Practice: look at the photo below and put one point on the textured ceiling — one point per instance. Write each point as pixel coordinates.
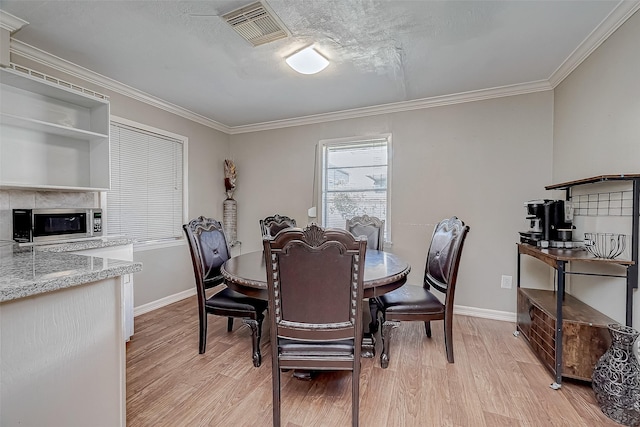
(381, 52)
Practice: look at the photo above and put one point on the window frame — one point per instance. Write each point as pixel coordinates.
(320, 173)
(167, 242)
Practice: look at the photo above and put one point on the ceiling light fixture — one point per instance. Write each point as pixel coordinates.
(307, 61)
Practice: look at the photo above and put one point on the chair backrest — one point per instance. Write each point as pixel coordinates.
(271, 225)
(315, 283)
(443, 258)
(369, 226)
(209, 250)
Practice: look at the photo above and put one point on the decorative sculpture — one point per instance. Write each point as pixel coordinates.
(616, 377)
(230, 207)
(229, 178)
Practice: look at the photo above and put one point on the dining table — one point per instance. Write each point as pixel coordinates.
(383, 272)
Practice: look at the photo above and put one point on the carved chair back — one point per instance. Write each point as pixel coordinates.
(369, 226)
(271, 225)
(209, 250)
(315, 281)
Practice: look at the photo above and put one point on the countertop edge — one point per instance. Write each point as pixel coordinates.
(16, 287)
(104, 242)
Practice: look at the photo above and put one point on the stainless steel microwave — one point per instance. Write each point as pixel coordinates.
(38, 225)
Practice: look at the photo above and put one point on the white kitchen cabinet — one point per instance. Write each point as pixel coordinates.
(53, 135)
(125, 253)
(63, 358)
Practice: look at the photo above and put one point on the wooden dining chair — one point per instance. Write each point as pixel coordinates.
(209, 250)
(271, 225)
(315, 285)
(411, 302)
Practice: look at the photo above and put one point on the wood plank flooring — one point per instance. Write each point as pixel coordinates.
(495, 381)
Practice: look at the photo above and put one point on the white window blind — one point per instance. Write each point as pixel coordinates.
(355, 180)
(146, 197)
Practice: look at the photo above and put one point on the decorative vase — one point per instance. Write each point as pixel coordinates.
(616, 377)
(230, 220)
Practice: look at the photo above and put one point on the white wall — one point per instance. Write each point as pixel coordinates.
(479, 161)
(597, 131)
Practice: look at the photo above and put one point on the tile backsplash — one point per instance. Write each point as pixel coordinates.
(25, 199)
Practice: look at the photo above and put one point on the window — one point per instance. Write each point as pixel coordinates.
(354, 180)
(147, 197)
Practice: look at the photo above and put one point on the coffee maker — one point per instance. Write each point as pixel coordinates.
(550, 224)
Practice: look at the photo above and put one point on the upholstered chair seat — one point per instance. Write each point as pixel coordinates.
(228, 299)
(411, 300)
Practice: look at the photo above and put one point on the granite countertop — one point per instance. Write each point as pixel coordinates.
(27, 271)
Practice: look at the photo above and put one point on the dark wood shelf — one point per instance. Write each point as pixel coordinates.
(551, 256)
(593, 180)
(573, 310)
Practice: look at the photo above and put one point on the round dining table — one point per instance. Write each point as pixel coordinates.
(383, 272)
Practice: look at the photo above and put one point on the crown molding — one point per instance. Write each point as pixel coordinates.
(10, 22)
(396, 107)
(37, 55)
(34, 54)
(623, 11)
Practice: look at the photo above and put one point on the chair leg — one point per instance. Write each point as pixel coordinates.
(275, 374)
(387, 326)
(229, 324)
(448, 338)
(373, 308)
(355, 393)
(203, 332)
(427, 328)
(255, 340)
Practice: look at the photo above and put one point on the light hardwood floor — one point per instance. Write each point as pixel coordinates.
(495, 381)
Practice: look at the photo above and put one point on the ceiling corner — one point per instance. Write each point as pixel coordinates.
(10, 22)
(607, 27)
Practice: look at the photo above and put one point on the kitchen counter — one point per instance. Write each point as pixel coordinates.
(27, 271)
(62, 334)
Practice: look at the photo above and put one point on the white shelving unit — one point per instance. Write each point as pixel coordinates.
(53, 135)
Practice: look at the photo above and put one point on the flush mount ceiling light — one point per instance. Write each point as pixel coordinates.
(307, 61)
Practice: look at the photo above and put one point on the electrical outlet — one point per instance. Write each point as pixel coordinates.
(506, 282)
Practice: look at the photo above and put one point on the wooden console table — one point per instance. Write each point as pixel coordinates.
(558, 259)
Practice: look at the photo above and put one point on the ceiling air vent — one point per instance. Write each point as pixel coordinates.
(256, 24)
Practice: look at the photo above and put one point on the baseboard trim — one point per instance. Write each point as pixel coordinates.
(154, 305)
(504, 316)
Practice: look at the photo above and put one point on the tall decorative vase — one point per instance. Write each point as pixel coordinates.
(616, 377)
(230, 220)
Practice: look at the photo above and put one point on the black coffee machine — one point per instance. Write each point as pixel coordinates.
(550, 224)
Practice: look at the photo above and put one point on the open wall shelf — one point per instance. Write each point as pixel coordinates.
(53, 135)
